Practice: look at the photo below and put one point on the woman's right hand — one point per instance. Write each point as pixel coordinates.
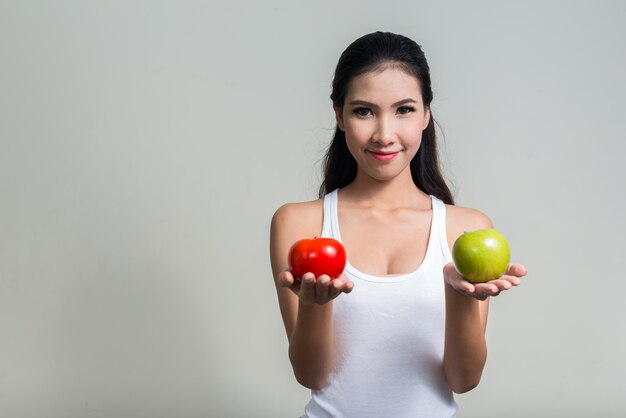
(313, 290)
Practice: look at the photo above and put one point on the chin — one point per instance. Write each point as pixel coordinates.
(384, 176)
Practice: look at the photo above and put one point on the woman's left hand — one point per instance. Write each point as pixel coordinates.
(482, 291)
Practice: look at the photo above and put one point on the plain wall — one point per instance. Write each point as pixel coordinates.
(144, 146)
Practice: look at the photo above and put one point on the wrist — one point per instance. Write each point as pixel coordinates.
(313, 323)
(458, 298)
(313, 307)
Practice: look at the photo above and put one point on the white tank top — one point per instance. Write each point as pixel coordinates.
(389, 337)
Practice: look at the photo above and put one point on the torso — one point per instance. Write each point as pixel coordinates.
(388, 332)
(401, 246)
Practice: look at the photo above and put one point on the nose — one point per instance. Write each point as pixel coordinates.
(384, 131)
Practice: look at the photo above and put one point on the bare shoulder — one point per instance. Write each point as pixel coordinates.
(290, 223)
(460, 219)
(302, 217)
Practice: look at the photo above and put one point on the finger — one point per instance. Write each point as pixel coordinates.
(307, 287)
(502, 283)
(495, 287)
(344, 284)
(517, 270)
(333, 290)
(340, 285)
(480, 293)
(321, 288)
(458, 282)
(286, 279)
(488, 289)
(513, 280)
(467, 287)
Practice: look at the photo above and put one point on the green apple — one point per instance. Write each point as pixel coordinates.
(481, 255)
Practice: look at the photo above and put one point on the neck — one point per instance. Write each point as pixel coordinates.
(395, 193)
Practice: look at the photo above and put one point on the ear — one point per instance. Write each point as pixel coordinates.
(426, 117)
(338, 116)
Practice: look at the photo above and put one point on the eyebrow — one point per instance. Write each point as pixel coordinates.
(368, 104)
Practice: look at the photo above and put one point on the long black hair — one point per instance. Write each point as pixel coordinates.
(368, 53)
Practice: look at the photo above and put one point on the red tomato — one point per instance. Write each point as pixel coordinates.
(318, 256)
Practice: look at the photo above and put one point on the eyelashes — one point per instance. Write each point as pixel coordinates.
(366, 111)
(403, 110)
(362, 111)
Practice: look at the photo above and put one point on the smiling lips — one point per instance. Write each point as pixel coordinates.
(383, 156)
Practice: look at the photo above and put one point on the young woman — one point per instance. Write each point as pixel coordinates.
(400, 330)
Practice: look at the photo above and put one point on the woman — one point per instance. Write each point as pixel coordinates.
(400, 330)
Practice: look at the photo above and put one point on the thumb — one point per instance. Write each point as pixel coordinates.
(285, 279)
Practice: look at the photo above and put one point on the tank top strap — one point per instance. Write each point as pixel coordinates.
(439, 229)
(330, 225)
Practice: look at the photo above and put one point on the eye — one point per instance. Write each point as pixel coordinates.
(404, 110)
(362, 111)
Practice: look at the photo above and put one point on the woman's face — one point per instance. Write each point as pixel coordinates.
(383, 118)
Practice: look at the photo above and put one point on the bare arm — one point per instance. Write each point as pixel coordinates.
(467, 308)
(465, 351)
(305, 303)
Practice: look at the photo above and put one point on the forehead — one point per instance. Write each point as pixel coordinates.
(388, 83)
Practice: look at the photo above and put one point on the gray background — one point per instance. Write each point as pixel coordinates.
(146, 144)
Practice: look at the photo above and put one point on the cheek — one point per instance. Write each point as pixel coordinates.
(410, 133)
(354, 146)
(357, 132)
